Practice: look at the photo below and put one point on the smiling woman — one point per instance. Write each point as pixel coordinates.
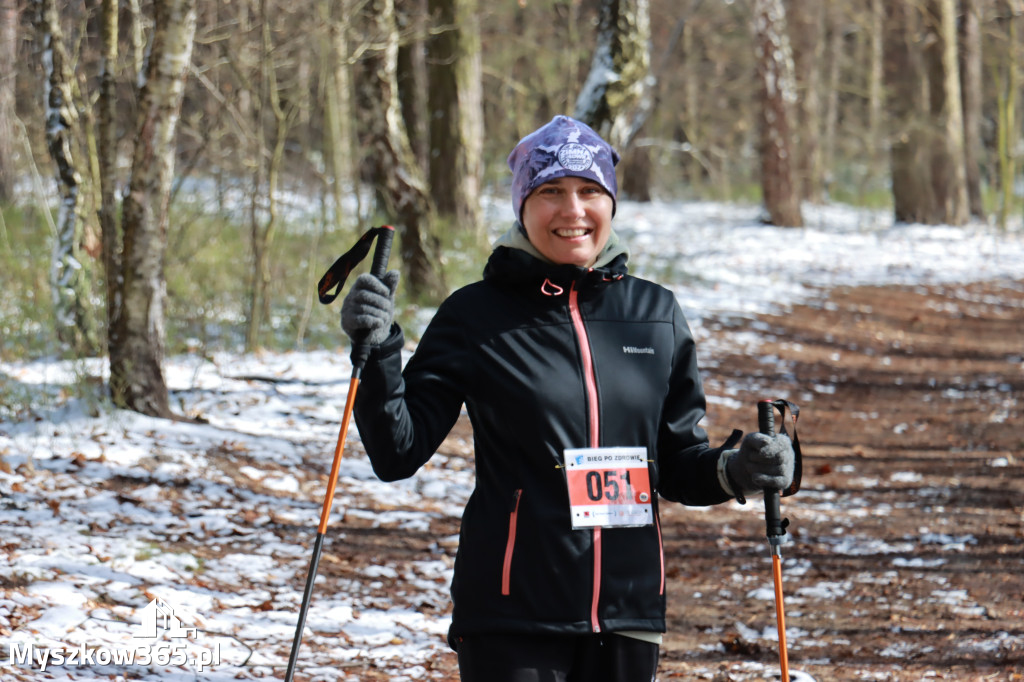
(582, 386)
(569, 220)
(563, 193)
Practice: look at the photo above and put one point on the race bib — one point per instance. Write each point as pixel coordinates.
(608, 487)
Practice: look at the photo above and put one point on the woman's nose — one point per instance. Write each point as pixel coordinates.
(572, 204)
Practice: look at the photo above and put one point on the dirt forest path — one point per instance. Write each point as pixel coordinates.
(905, 558)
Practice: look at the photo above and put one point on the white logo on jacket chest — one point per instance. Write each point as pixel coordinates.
(638, 350)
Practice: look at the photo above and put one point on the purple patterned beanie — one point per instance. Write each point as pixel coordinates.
(562, 148)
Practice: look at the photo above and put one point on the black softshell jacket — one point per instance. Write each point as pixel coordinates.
(546, 358)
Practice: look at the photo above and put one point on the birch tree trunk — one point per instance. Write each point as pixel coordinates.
(9, 16)
(136, 372)
(876, 96)
(454, 100)
(973, 100)
(1007, 79)
(400, 182)
(777, 95)
(70, 269)
(617, 96)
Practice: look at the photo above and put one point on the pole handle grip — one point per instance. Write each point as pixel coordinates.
(766, 416)
(382, 251)
(378, 268)
(775, 526)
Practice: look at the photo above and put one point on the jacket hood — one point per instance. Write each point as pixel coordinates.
(516, 259)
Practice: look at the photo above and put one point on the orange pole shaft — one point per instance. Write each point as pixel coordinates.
(780, 616)
(350, 402)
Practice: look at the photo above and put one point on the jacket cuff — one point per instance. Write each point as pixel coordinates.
(725, 479)
(723, 474)
(394, 342)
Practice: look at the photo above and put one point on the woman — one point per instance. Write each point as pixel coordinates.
(582, 386)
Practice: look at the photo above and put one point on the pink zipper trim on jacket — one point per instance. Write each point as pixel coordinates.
(595, 624)
(590, 383)
(589, 380)
(510, 545)
(661, 553)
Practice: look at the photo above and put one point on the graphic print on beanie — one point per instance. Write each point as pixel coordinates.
(575, 157)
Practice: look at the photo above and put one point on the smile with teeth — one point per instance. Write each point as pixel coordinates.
(571, 232)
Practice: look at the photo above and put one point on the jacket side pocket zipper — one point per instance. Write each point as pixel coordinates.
(510, 544)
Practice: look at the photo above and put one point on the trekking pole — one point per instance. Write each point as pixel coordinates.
(775, 527)
(335, 277)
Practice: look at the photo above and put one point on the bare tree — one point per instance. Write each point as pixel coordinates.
(777, 95)
(70, 269)
(136, 372)
(412, 75)
(617, 97)
(688, 116)
(925, 112)
(833, 55)
(909, 159)
(264, 213)
(9, 16)
(397, 175)
(876, 91)
(106, 151)
(339, 138)
(807, 22)
(1006, 72)
(948, 175)
(973, 101)
(456, 113)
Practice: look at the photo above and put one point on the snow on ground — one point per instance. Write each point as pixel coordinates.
(100, 508)
(721, 262)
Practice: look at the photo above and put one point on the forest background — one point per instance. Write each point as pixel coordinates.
(175, 175)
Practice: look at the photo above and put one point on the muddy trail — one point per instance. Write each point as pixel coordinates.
(904, 559)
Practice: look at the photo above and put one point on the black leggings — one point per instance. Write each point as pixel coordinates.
(556, 658)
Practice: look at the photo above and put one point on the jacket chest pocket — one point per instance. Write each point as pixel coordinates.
(633, 364)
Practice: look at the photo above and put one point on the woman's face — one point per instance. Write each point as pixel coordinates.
(569, 220)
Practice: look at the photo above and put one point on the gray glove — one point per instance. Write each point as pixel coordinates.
(369, 308)
(762, 462)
